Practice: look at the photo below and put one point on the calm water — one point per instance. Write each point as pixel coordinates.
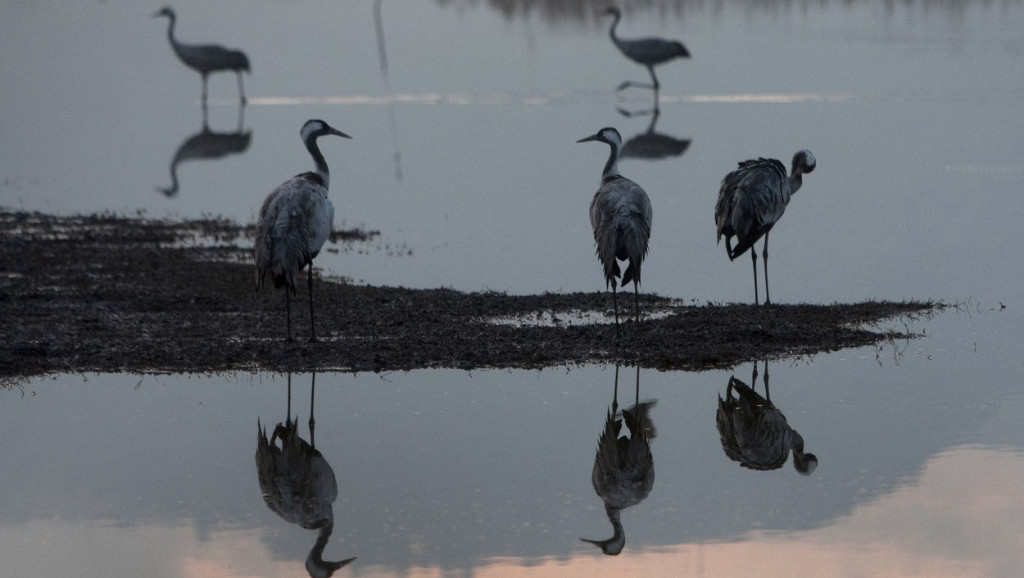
(464, 159)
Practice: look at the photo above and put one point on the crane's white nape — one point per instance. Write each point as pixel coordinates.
(316, 128)
(612, 138)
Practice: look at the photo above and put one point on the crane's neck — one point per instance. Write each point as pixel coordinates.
(614, 545)
(315, 563)
(170, 30)
(318, 159)
(615, 22)
(795, 181)
(611, 168)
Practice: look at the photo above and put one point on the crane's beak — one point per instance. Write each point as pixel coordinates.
(337, 132)
(590, 138)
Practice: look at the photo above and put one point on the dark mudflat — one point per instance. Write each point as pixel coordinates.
(113, 294)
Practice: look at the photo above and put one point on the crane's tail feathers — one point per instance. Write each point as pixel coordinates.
(611, 274)
(738, 250)
(632, 274)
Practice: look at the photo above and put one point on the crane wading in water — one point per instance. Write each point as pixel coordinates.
(649, 52)
(294, 222)
(620, 214)
(751, 200)
(206, 58)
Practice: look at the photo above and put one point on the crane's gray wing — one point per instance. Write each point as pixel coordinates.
(751, 200)
(282, 234)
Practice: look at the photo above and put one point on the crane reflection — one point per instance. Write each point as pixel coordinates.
(754, 432)
(623, 473)
(298, 484)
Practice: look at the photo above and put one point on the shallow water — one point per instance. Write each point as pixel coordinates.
(464, 159)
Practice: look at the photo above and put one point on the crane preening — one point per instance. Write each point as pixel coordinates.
(751, 200)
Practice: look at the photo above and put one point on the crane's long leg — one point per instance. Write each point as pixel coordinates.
(312, 421)
(288, 311)
(764, 253)
(615, 304)
(636, 402)
(204, 91)
(753, 255)
(636, 301)
(312, 322)
(241, 89)
(767, 392)
(615, 395)
(654, 78)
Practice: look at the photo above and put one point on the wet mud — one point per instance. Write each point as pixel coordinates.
(114, 294)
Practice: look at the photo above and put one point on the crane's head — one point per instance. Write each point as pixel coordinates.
(803, 162)
(606, 135)
(805, 464)
(165, 11)
(611, 11)
(316, 128)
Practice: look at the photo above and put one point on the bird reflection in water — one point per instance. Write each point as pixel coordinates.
(755, 433)
(208, 145)
(298, 484)
(623, 472)
(652, 145)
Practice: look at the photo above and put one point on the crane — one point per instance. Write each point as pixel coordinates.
(620, 214)
(650, 51)
(752, 199)
(623, 473)
(206, 58)
(754, 432)
(294, 222)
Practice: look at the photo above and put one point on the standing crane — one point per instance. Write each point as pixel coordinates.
(298, 484)
(206, 58)
(649, 52)
(754, 432)
(623, 473)
(751, 200)
(294, 222)
(620, 214)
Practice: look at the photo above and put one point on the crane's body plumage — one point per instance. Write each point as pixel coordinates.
(620, 215)
(623, 473)
(751, 199)
(294, 222)
(649, 52)
(206, 58)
